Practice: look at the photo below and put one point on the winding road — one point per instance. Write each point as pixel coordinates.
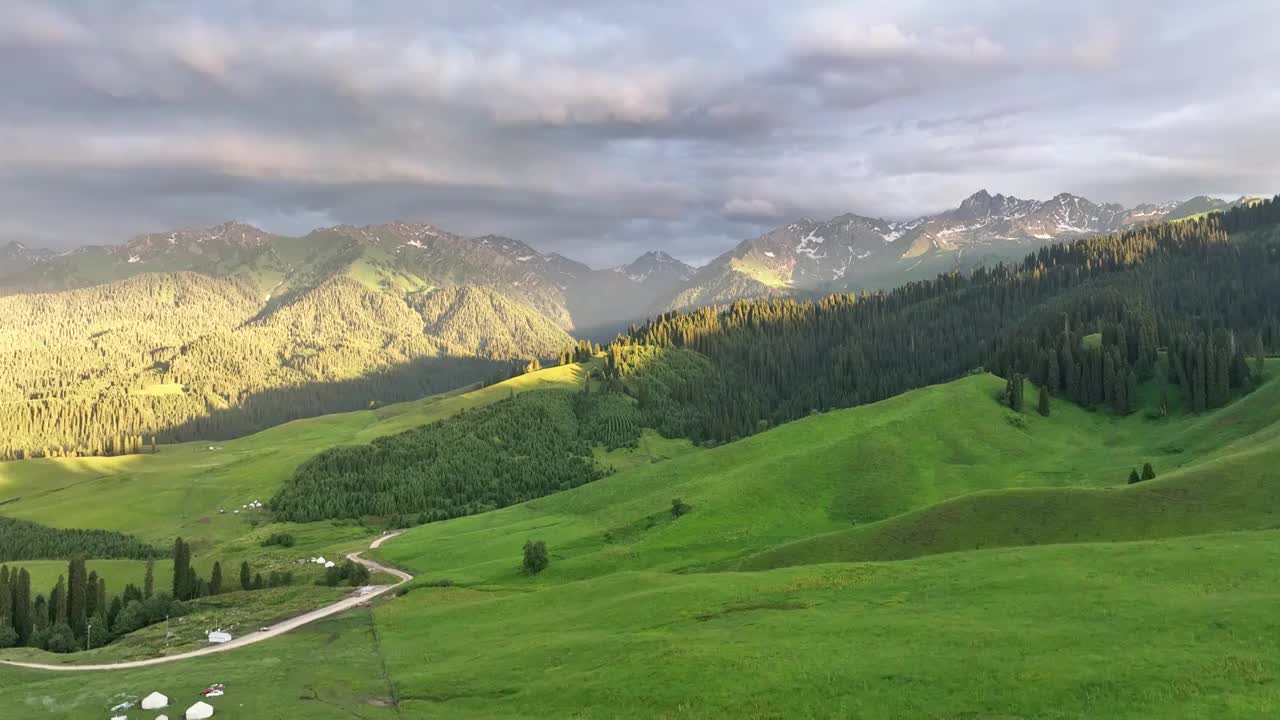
(363, 595)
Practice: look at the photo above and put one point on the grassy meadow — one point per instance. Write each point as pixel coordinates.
(182, 489)
(332, 669)
(934, 555)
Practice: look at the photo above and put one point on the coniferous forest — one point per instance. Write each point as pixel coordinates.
(78, 613)
(518, 449)
(1205, 289)
(115, 369)
(23, 540)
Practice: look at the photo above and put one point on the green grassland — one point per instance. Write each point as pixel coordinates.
(180, 490)
(921, 557)
(332, 669)
(864, 469)
(1181, 628)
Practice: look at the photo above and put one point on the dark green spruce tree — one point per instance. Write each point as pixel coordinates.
(181, 570)
(77, 596)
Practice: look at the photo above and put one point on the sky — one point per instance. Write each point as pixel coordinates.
(602, 129)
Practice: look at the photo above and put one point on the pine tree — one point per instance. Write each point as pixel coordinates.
(58, 602)
(149, 581)
(246, 579)
(77, 596)
(1044, 402)
(91, 594)
(6, 599)
(215, 579)
(1131, 392)
(181, 570)
(1014, 391)
(1133, 477)
(1148, 472)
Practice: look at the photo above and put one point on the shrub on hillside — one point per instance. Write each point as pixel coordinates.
(281, 539)
(535, 557)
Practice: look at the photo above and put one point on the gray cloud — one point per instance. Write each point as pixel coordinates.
(601, 130)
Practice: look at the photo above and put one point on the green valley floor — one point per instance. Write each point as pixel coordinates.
(930, 556)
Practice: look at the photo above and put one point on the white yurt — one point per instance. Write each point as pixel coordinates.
(162, 717)
(200, 711)
(155, 701)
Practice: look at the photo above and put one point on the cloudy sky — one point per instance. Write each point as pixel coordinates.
(603, 128)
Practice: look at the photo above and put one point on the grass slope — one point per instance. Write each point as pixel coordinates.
(180, 490)
(1229, 485)
(328, 670)
(1170, 629)
(866, 468)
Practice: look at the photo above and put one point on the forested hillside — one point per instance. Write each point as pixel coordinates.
(1187, 285)
(22, 540)
(518, 449)
(106, 369)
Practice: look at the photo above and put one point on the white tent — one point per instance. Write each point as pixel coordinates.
(200, 711)
(218, 636)
(162, 717)
(154, 701)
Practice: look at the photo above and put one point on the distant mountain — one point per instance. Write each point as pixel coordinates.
(848, 252)
(16, 257)
(210, 332)
(857, 252)
(396, 257)
(1203, 204)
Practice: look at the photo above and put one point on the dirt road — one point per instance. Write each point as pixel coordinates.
(362, 595)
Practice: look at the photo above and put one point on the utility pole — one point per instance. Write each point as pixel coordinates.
(89, 640)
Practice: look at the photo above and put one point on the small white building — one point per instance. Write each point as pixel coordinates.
(155, 701)
(218, 636)
(200, 711)
(329, 564)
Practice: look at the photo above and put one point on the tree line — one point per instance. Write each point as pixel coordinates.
(517, 449)
(75, 614)
(25, 540)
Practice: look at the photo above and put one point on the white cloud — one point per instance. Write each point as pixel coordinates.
(833, 36)
(38, 25)
(616, 125)
(749, 209)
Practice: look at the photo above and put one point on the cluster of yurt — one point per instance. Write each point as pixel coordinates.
(157, 701)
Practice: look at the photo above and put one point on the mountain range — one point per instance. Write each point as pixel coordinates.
(848, 252)
(215, 332)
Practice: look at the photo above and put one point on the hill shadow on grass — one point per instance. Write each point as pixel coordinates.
(403, 382)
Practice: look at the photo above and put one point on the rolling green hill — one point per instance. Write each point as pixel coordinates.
(863, 470)
(626, 623)
(180, 490)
